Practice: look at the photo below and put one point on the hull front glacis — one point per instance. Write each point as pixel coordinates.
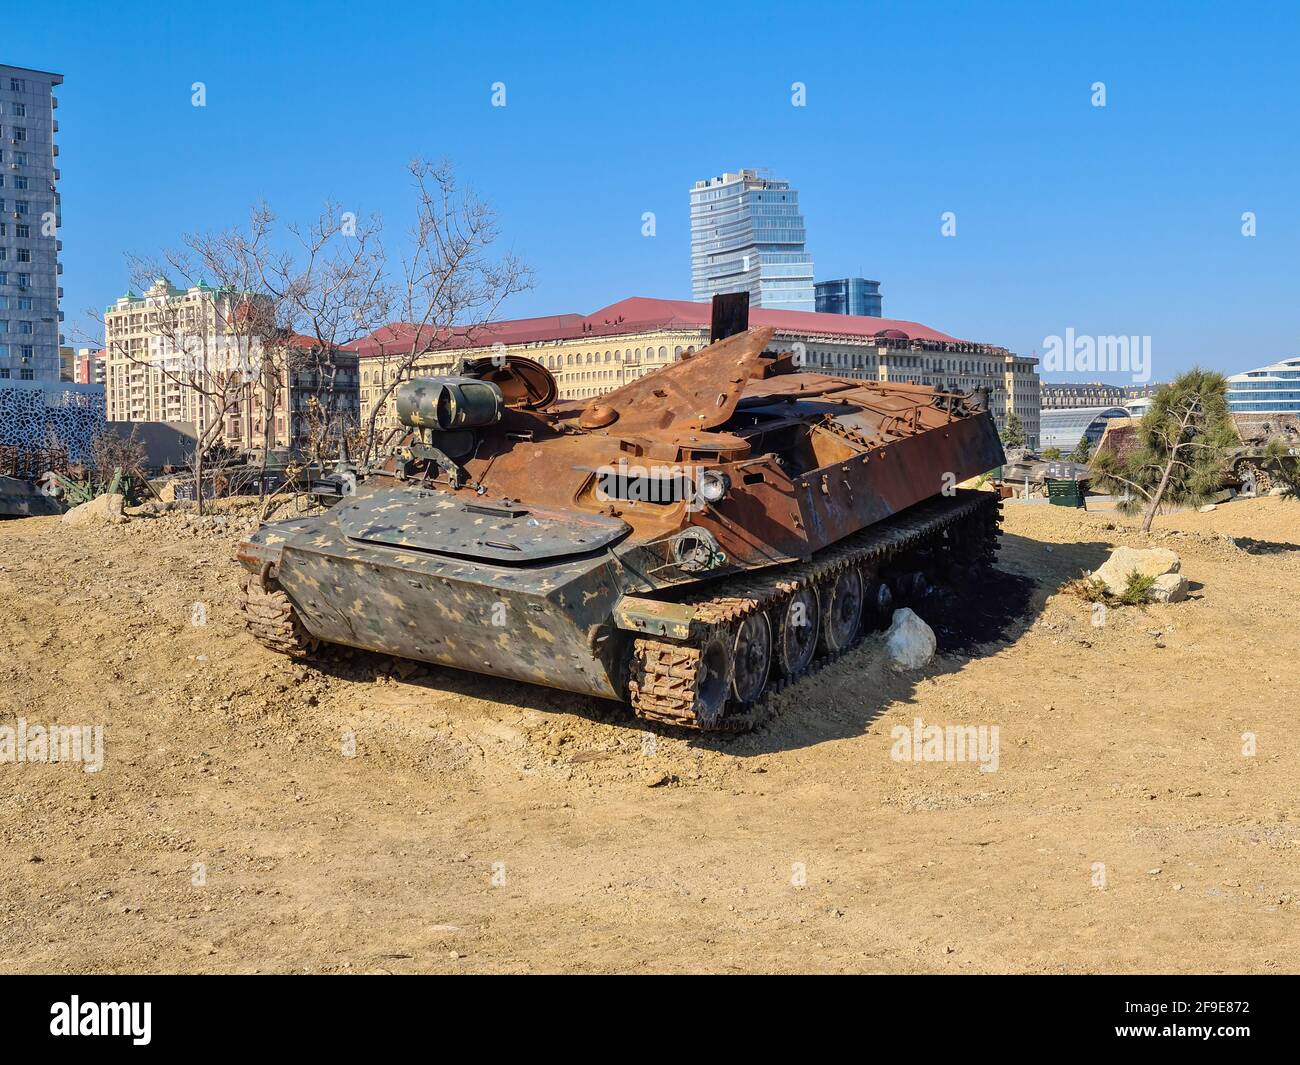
(548, 623)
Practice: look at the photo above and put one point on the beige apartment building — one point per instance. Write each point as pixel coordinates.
(167, 331)
(157, 342)
(593, 354)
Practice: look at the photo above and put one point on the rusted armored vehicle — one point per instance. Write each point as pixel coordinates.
(1268, 458)
(689, 542)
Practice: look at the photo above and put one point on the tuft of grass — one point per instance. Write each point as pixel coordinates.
(1089, 589)
(1137, 589)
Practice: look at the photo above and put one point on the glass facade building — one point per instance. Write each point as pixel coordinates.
(1269, 390)
(849, 295)
(747, 235)
(1064, 428)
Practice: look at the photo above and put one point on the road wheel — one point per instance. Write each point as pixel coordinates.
(841, 600)
(752, 658)
(797, 632)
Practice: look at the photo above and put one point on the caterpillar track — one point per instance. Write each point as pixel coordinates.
(678, 683)
(270, 617)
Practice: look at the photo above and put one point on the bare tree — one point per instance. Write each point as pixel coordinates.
(450, 285)
(284, 306)
(205, 348)
(330, 287)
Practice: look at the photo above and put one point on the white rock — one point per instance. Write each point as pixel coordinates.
(1150, 562)
(1208, 507)
(1169, 588)
(105, 508)
(910, 642)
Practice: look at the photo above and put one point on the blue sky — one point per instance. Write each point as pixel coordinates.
(1117, 220)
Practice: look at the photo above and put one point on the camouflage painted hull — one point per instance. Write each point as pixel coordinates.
(546, 624)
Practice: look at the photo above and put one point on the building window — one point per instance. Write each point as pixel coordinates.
(17, 85)
(24, 255)
(20, 110)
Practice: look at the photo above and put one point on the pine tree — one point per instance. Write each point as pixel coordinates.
(1013, 433)
(1183, 442)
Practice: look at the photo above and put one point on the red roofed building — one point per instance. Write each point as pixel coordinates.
(595, 353)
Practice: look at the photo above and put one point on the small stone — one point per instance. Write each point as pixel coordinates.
(910, 642)
(1169, 588)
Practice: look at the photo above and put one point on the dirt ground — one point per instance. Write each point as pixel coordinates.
(487, 826)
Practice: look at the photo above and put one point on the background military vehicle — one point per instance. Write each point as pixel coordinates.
(689, 542)
(1268, 458)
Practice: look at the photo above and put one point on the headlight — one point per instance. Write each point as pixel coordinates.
(713, 485)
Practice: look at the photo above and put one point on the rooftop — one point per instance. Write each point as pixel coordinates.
(58, 78)
(642, 314)
(1289, 367)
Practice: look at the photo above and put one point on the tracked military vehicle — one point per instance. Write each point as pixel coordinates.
(689, 542)
(1266, 459)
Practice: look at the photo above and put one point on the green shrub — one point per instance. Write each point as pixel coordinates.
(1137, 588)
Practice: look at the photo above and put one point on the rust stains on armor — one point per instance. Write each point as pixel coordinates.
(642, 544)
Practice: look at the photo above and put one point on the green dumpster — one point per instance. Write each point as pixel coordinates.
(1064, 493)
